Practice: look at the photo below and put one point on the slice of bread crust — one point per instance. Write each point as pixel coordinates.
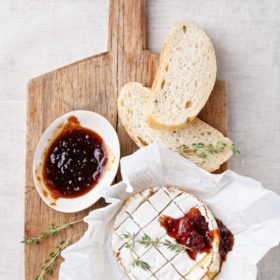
(199, 142)
(184, 79)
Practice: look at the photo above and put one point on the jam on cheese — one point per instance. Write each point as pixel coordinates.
(227, 240)
(192, 230)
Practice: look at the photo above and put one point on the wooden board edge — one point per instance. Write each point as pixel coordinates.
(44, 75)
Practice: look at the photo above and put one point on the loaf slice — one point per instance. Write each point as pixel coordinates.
(184, 79)
(198, 141)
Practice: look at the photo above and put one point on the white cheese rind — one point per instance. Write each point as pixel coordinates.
(140, 215)
(168, 272)
(183, 263)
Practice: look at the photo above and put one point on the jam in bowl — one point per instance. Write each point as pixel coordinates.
(77, 155)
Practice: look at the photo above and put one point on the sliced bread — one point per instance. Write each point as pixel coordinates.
(199, 142)
(184, 79)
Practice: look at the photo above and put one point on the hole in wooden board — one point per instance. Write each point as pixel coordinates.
(162, 84)
(166, 67)
(184, 28)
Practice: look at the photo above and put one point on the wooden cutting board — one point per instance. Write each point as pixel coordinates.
(93, 84)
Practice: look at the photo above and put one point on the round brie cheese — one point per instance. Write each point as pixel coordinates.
(140, 216)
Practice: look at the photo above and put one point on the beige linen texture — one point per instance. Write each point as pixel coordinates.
(38, 36)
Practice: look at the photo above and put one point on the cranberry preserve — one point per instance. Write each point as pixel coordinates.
(227, 240)
(191, 230)
(75, 161)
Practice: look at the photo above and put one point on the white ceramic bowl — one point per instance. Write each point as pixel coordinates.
(96, 123)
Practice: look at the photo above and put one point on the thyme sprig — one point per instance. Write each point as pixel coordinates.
(52, 231)
(234, 149)
(142, 264)
(130, 244)
(47, 268)
(204, 150)
(147, 241)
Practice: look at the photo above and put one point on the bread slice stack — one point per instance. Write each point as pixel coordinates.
(167, 112)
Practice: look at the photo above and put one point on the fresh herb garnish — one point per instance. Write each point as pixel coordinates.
(202, 150)
(52, 231)
(234, 149)
(147, 241)
(144, 265)
(174, 247)
(47, 268)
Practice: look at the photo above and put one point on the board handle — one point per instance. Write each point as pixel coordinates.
(127, 26)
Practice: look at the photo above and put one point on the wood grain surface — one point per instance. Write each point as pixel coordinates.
(93, 84)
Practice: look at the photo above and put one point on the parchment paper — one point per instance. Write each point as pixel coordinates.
(249, 210)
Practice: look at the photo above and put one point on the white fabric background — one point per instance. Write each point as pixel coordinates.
(37, 36)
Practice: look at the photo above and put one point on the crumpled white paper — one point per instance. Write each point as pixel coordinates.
(250, 211)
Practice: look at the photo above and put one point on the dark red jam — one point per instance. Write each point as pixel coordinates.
(192, 230)
(227, 240)
(75, 161)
